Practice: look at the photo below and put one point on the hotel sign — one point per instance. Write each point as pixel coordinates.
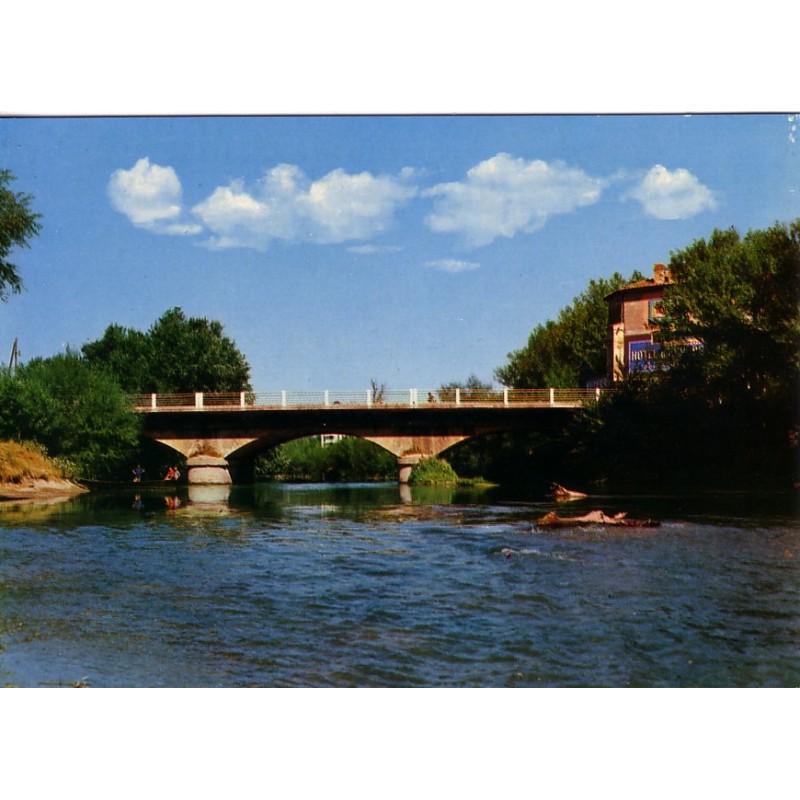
(643, 355)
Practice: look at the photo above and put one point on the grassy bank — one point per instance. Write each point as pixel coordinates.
(26, 462)
(28, 474)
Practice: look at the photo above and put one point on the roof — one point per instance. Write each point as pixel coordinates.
(647, 283)
(641, 284)
(660, 278)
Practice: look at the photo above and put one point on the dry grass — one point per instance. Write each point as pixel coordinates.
(20, 463)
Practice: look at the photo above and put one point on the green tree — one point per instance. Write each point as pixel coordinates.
(739, 297)
(724, 413)
(566, 352)
(18, 224)
(473, 388)
(126, 354)
(76, 412)
(177, 354)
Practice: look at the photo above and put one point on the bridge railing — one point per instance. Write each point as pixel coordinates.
(413, 398)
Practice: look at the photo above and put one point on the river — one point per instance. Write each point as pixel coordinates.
(369, 585)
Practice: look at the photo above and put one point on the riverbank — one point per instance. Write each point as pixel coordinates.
(28, 474)
(39, 491)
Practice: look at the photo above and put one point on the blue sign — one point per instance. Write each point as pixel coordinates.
(643, 355)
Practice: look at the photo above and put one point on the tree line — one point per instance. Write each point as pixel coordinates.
(77, 404)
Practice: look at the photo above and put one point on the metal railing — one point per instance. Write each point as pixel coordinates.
(409, 398)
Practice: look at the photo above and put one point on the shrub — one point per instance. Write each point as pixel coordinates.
(433, 471)
(79, 414)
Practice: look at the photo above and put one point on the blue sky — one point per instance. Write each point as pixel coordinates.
(413, 250)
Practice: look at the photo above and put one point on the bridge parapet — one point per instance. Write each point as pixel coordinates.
(411, 398)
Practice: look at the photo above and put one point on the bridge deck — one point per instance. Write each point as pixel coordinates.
(412, 398)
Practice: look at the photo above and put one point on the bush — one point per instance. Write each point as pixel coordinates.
(79, 414)
(433, 472)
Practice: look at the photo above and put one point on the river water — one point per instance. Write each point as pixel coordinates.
(370, 585)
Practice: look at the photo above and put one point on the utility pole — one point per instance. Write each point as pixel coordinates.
(12, 362)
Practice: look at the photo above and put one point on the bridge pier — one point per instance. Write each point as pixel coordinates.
(207, 470)
(410, 450)
(405, 464)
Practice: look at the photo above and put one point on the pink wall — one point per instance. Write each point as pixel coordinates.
(635, 312)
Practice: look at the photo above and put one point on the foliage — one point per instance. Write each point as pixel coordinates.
(18, 224)
(177, 354)
(476, 457)
(472, 382)
(741, 298)
(473, 388)
(125, 353)
(565, 353)
(532, 460)
(647, 435)
(350, 459)
(723, 414)
(433, 471)
(74, 411)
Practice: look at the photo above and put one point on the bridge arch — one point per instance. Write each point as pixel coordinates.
(210, 460)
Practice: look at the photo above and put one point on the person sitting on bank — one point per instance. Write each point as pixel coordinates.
(172, 474)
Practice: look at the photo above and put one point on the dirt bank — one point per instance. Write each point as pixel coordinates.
(28, 475)
(39, 490)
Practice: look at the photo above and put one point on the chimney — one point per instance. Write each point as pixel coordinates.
(660, 273)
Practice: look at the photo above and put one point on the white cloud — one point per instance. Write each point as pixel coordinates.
(181, 229)
(373, 249)
(147, 194)
(504, 196)
(672, 195)
(233, 216)
(452, 265)
(286, 205)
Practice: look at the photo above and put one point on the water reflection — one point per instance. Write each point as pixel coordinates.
(209, 494)
(355, 500)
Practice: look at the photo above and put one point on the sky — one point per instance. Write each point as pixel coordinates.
(337, 250)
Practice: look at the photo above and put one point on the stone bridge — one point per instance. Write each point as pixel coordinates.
(220, 433)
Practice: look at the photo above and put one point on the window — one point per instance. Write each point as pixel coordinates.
(654, 310)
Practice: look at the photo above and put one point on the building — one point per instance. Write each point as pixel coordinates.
(633, 312)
